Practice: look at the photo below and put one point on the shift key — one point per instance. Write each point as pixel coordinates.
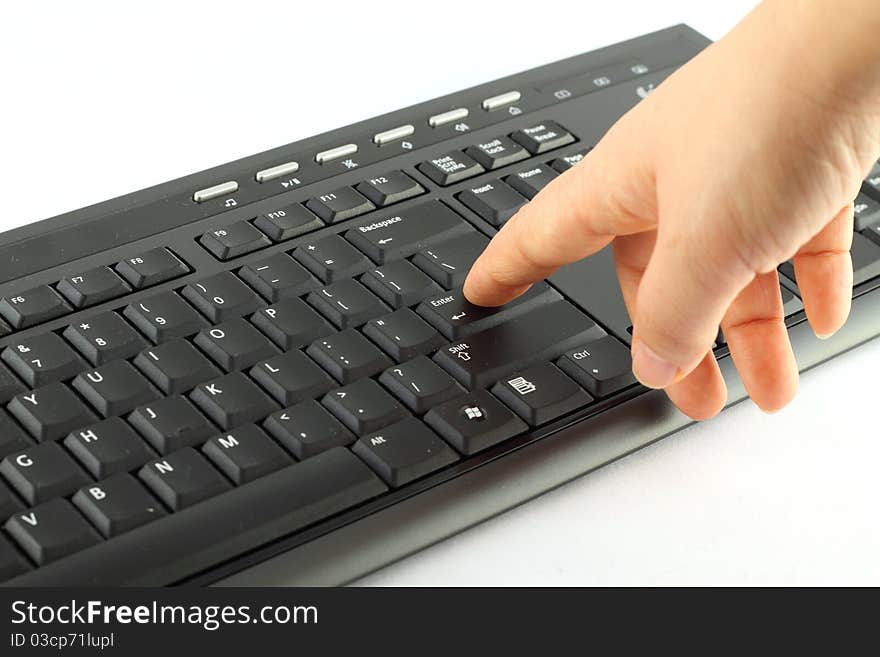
(402, 233)
(540, 335)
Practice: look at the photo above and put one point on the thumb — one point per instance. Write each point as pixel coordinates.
(690, 281)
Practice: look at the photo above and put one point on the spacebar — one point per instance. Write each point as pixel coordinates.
(540, 335)
(204, 535)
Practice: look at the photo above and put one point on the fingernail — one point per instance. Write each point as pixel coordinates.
(650, 369)
(825, 336)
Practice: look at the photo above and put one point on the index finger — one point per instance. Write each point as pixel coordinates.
(608, 193)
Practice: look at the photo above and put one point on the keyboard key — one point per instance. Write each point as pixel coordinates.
(403, 335)
(117, 505)
(493, 201)
(91, 287)
(108, 447)
(393, 135)
(539, 335)
(474, 422)
(339, 205)
(420, 384)
(496, 153)
(603, 366)
(235, 345)
(348, 356)
(182, 479)
(234, 240)
(51, 531)
(245, 454)
(292, 377)
(456, 317)
(392, 237)
(531, 181)
(392, 187)
(50, 412)
(443, 118)
(866, 259)
(34, 306)
(175, 366)
(105, 337)
(222, 296)
(500, 100)
(404, 451)
(449, 262)
(277, 171)
(450, 168)
(171, 424)
(288, 222)
(9, 502)
(541, 393)
(347, 303)
(278, 277)
(566, 162)
(400, 283)
(42, 472)
(232, 400)
(543, 137)
(12, 562)
(42, 359)
(165, 316)
(115, 388)
(866, 212)
(332, 258)
(873, 234)
(307, 429)
(228, 187)
(364, 406)
(323, 157)
(9, 385)
(12, 438)
(151, 268)
(291, 324)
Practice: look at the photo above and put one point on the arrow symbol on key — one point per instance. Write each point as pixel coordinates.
(284, 416)
(459, 315)
(386, 240)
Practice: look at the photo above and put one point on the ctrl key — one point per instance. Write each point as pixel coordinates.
(602, 366)
(473, 422)
(50, 531)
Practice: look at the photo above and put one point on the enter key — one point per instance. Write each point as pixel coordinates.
(456, 317)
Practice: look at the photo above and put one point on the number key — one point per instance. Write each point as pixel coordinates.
(165, 316)
(222, 296)
(105, 337)
(42, 359)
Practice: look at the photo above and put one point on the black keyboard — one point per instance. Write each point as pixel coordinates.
(266, 372)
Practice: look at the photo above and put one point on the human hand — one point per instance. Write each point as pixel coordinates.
(747, 156)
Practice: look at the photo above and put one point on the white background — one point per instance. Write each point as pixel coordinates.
(101, 99)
